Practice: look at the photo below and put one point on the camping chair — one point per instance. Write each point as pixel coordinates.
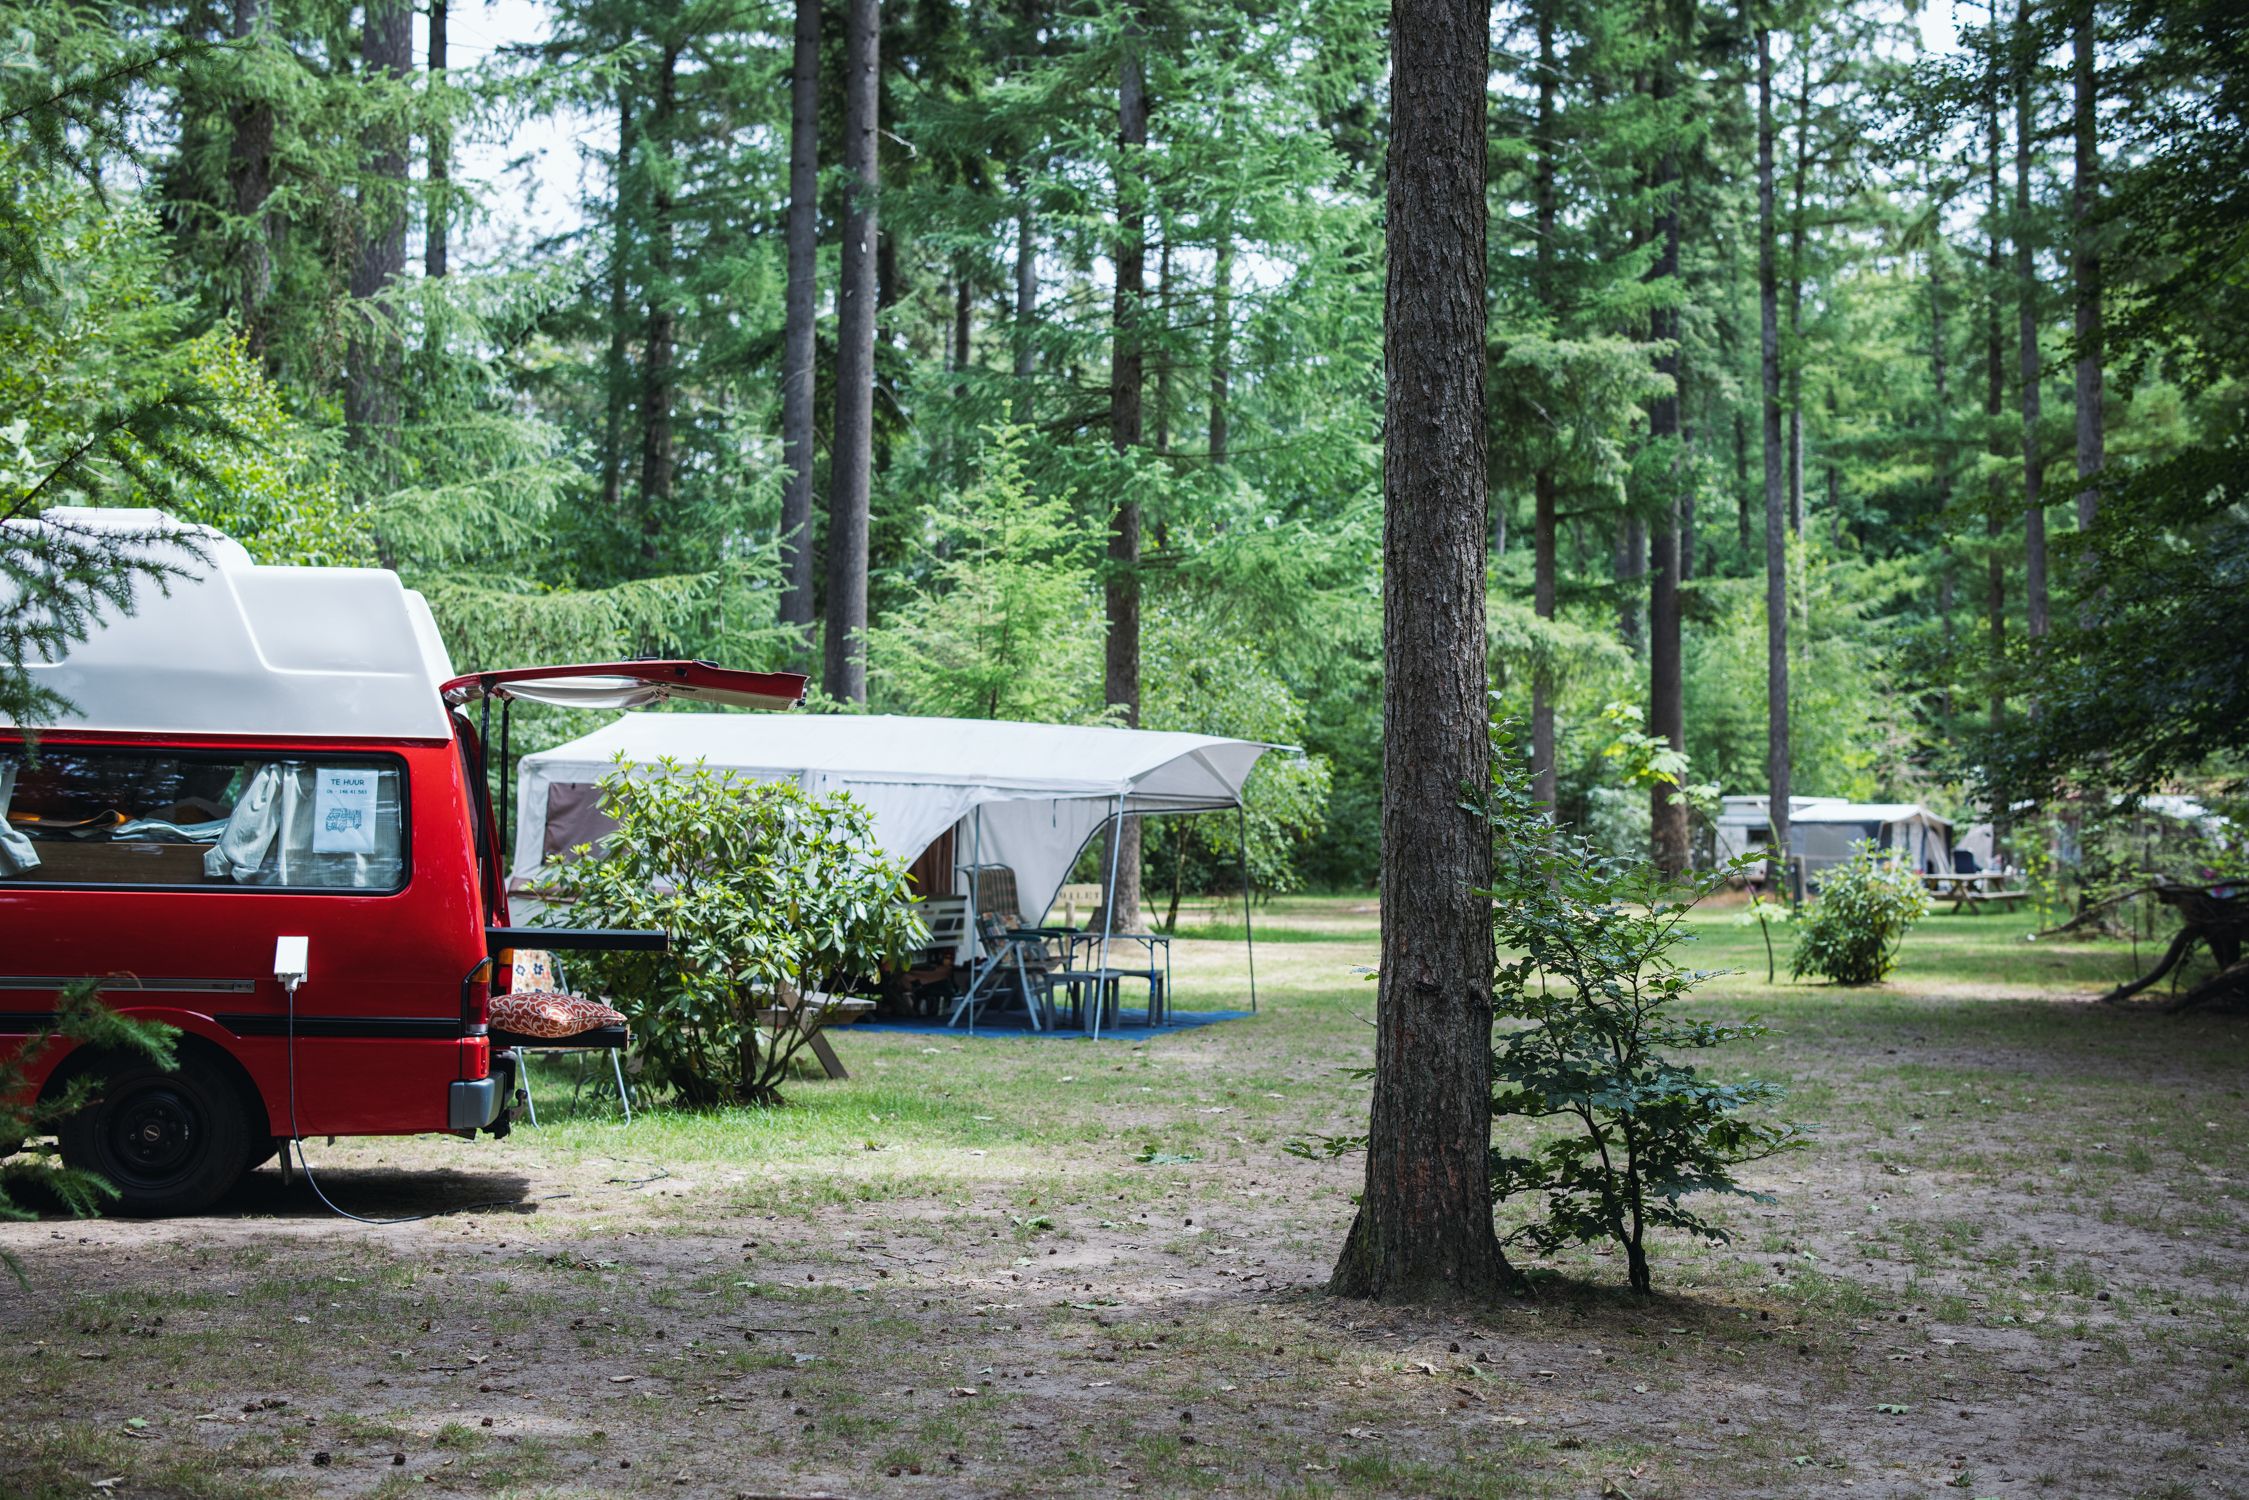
(536, 969)
(1008, 957)
(931, 970)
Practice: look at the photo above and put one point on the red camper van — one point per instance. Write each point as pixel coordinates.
(265, 824)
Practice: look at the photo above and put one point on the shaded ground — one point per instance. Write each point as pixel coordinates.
(2014, 1265)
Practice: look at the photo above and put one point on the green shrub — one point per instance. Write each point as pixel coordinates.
(760, 886)
(1583, 1000)
(1862, 912)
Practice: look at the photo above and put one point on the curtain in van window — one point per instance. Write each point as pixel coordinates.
(16, 853)
(321, 826)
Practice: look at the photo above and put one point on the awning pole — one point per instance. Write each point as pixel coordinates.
(1241, 811)
(976, 916)
(1108, 913)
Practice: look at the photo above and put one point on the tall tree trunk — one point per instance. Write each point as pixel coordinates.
(1026, 303)
(1794, 362)
(1221, 335)
(617, 374)
(2026, 321)
(1667, 707)
(1163, 346)
(657, 378)
(1995, 389)
(1741, 481)
(1544, 783)
(1940, 459)
(386, 45)
(799, 320)
(851, 461)
(1631, 572)
(1776, 511)
(2086, 269)
(1121, 593)
(439, 213)
(249, 173)
(1424, 1226)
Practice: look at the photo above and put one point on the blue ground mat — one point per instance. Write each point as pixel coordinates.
(1133, 1026)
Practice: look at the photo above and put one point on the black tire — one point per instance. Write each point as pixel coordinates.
(169, 1142)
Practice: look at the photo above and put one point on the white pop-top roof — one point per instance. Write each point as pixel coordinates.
(240, 648)
(1747, 808)
(1039, 790)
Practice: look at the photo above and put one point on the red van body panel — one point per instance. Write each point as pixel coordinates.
(392, 1010)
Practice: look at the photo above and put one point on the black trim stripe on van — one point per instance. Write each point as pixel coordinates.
(128, 982)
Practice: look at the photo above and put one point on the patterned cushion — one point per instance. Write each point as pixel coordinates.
(550, 1013)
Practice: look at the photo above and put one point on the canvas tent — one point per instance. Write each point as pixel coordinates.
(1028, 796)
(1821, 830)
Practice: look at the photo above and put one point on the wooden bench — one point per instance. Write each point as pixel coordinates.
(830, 1010)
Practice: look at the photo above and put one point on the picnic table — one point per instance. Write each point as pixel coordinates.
(1977, 888)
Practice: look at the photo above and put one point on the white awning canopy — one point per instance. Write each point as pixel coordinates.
(1039, 791)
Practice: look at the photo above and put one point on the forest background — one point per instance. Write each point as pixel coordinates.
(1865, 417)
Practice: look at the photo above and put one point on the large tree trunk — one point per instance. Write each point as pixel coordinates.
(438, 215)
(1940, 458)
(1121, 593)
(1543, 593)
(657, 377)
(851, 461)
(798, 324)
(1667, 706)
(617, 374)
(2086, 271)
(386, 45)
(797, 338)
(1776, 511)
(2026, 322)
(249, 174)
(1424, 1226)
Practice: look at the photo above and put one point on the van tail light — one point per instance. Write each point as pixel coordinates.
(476, 1057)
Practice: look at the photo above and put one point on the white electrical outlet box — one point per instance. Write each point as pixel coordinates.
(290, 958)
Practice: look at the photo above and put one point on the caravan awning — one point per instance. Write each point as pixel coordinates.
(1040, 790)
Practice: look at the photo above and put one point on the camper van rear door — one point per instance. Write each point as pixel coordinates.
(631, 684)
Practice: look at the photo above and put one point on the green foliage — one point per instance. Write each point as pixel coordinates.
(1196, 680)
(1864, 908)
(1584, 999)
(764, 890)
(1008, 623)
(85, 1020)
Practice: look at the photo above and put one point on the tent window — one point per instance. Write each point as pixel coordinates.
(98, 817)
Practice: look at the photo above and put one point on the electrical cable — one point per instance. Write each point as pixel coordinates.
(297, 1144)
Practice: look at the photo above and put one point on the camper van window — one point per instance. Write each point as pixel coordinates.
(81, 816)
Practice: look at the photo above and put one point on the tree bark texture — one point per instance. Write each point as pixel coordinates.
(1667, 704)
(249, 173)
(1544, 781)
(386, 45)
(798, 380)
(1424, 1226)
(2026, 323)
(2085, 191)
(437, 215)
(657, 377)
(851, 460)
(1794, 360)
(1776, 511)
(1120, 678)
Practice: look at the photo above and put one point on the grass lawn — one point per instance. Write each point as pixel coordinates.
(2012, 1265)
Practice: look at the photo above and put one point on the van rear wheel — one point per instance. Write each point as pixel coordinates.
(170, 1142)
